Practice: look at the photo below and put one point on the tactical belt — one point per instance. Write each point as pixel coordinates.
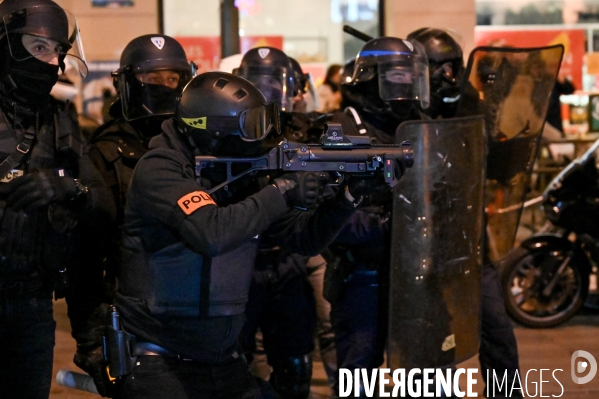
(150, 349)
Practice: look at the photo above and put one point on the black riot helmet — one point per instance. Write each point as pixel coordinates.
(270, 70)
(225, 114)
(446, 67)
(36, 36)
(400, 66)
(351, 95)
(153, 71)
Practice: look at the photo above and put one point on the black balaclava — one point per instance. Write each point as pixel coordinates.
(29, 81)
(445, 91)
(157, 98)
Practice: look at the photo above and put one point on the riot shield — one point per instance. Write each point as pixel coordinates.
(437, 232)
(511, 88)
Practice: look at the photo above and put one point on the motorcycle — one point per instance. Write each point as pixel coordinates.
(546, 279)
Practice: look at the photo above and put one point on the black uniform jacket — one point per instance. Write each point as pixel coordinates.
(187, 261)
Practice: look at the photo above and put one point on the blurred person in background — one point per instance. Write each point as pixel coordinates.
(328, 93)
(563, 86)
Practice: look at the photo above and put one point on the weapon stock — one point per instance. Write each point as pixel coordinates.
(337, 154)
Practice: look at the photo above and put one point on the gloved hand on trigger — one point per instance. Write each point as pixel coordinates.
(37, 189)
(300, 189)
(359, 187)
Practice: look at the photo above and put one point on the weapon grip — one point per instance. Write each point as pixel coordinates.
(394, 167)
(389, 167)
(117, 346)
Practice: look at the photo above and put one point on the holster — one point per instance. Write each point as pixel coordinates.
(118, 346)
(335, 277)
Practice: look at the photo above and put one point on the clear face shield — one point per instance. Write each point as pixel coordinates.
(404, 80)
(152, 88)
(402, 73)
(272, 82)
(304, 92)
(46, 32)
(309, 86)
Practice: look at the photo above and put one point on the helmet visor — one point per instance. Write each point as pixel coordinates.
(404, 80)
(258, 122)
(186, 70)
(272, 82)
(46, 32)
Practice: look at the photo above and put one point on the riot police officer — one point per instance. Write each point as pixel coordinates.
(188, 256)
(389, 86)
(271, 71)
(446, 69)
(48, 189)
(281, 302)
(498, 348)
(153, 71)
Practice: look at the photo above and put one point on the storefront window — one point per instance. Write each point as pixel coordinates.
(308, 30)
(536, 12)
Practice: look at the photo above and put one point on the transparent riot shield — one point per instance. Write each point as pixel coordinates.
(437, 233)
(511, 88)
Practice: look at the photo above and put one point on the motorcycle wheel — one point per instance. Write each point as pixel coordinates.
(522, 289)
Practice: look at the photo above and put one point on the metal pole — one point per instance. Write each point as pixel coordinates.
(160, 17)
(229, 28)
(382, 18)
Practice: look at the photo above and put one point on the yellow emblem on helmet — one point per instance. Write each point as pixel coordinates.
(198, 123)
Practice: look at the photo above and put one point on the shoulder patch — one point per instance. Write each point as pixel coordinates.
(193, 201)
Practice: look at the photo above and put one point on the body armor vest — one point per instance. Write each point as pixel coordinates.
(121, 147)
(34, 243)
(170, 283)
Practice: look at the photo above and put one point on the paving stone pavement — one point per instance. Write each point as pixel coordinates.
(539, 349)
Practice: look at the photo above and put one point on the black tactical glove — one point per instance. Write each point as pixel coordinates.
(300, 189)
(359, 187)
(38, 189)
